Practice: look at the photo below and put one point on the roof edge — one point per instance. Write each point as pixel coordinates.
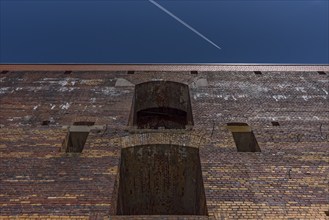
(162, 67)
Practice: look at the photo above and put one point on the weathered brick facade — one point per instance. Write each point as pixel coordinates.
(288, 179)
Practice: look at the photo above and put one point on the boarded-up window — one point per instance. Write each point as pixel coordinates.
(161, 180)
(244, 137)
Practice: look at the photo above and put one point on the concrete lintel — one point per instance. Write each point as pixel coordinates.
(239, 128)
(123, 83)
(83, 128)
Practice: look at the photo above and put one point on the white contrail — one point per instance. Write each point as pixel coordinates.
(183, 23)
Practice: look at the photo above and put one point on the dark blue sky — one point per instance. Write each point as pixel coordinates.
(288, 32)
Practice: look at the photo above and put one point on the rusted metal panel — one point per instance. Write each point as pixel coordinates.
(161, 180)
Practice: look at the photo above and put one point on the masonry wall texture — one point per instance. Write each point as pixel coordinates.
(288, 179)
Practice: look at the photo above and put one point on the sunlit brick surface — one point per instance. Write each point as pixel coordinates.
(288, 179)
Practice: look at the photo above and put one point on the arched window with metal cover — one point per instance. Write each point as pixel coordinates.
(244, 137)
(161, 104)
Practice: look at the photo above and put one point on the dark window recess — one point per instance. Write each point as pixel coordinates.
(160, 180)
(194, 72)
(86, 123)
(322, 73)
(245, 142)
(4, 72)
(258, 72)
(67, 72)
(131, 72)
(76, 137)
(244, 137)
(275, 123)
(75, 141)
(326, 212)
(161, 104)
(47, 122)
(154, 118)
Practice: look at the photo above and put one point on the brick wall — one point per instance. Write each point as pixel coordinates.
(288, 179)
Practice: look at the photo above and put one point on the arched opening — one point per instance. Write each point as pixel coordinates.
(161, 104)
(161, 179)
